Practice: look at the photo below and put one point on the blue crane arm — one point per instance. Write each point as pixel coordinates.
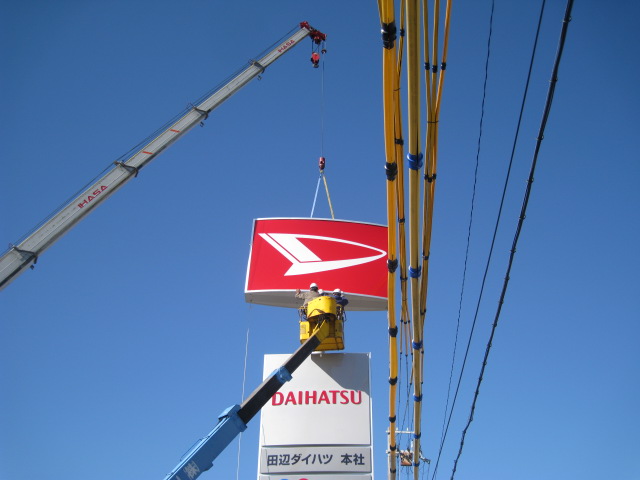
(201, 456)
(234, 419)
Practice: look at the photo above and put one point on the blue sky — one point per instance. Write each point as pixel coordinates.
(124, 344)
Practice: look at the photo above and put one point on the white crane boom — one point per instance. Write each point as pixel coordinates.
(15, 260)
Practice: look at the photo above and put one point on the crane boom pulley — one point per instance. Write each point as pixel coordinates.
(15, 260)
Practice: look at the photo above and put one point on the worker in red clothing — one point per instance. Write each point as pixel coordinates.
(315, 59)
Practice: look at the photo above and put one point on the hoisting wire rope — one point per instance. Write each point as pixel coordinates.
(447, 421)
(321, 163)
(322, 107)
(525, 202)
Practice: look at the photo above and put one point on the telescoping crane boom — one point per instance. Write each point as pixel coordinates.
(15, 260)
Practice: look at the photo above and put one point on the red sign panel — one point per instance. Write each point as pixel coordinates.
(291, 253)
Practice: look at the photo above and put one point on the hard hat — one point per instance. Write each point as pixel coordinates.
(313, 285)
(338, 291)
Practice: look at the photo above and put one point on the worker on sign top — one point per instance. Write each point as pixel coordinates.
(315, 59)
(310, 295)
(340, 299)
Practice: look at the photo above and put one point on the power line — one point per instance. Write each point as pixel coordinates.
(525, 203)
(495, 230)
(466, 254)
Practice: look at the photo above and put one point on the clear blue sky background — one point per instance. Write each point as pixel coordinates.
(126, 342)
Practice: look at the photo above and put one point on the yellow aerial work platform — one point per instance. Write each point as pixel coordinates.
(319, 310)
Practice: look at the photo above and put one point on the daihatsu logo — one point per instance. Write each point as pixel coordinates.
(304, 261)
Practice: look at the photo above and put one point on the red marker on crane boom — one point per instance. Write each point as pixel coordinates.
(26, 252)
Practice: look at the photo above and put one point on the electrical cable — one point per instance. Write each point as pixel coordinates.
(411, 313)
(434, 85)
(466, 257)
(415, 159)
(386, 12)
(244, 378)
(525, 203)
(400, 215)
(495, 231)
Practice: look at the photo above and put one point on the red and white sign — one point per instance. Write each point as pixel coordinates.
(291, 253)
(327, 403)
(318, 426)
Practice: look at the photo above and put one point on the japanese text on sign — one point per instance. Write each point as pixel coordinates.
(315, 459)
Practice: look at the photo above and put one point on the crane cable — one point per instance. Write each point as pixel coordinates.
(321, 161)
(324, 177)
(326, 187)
